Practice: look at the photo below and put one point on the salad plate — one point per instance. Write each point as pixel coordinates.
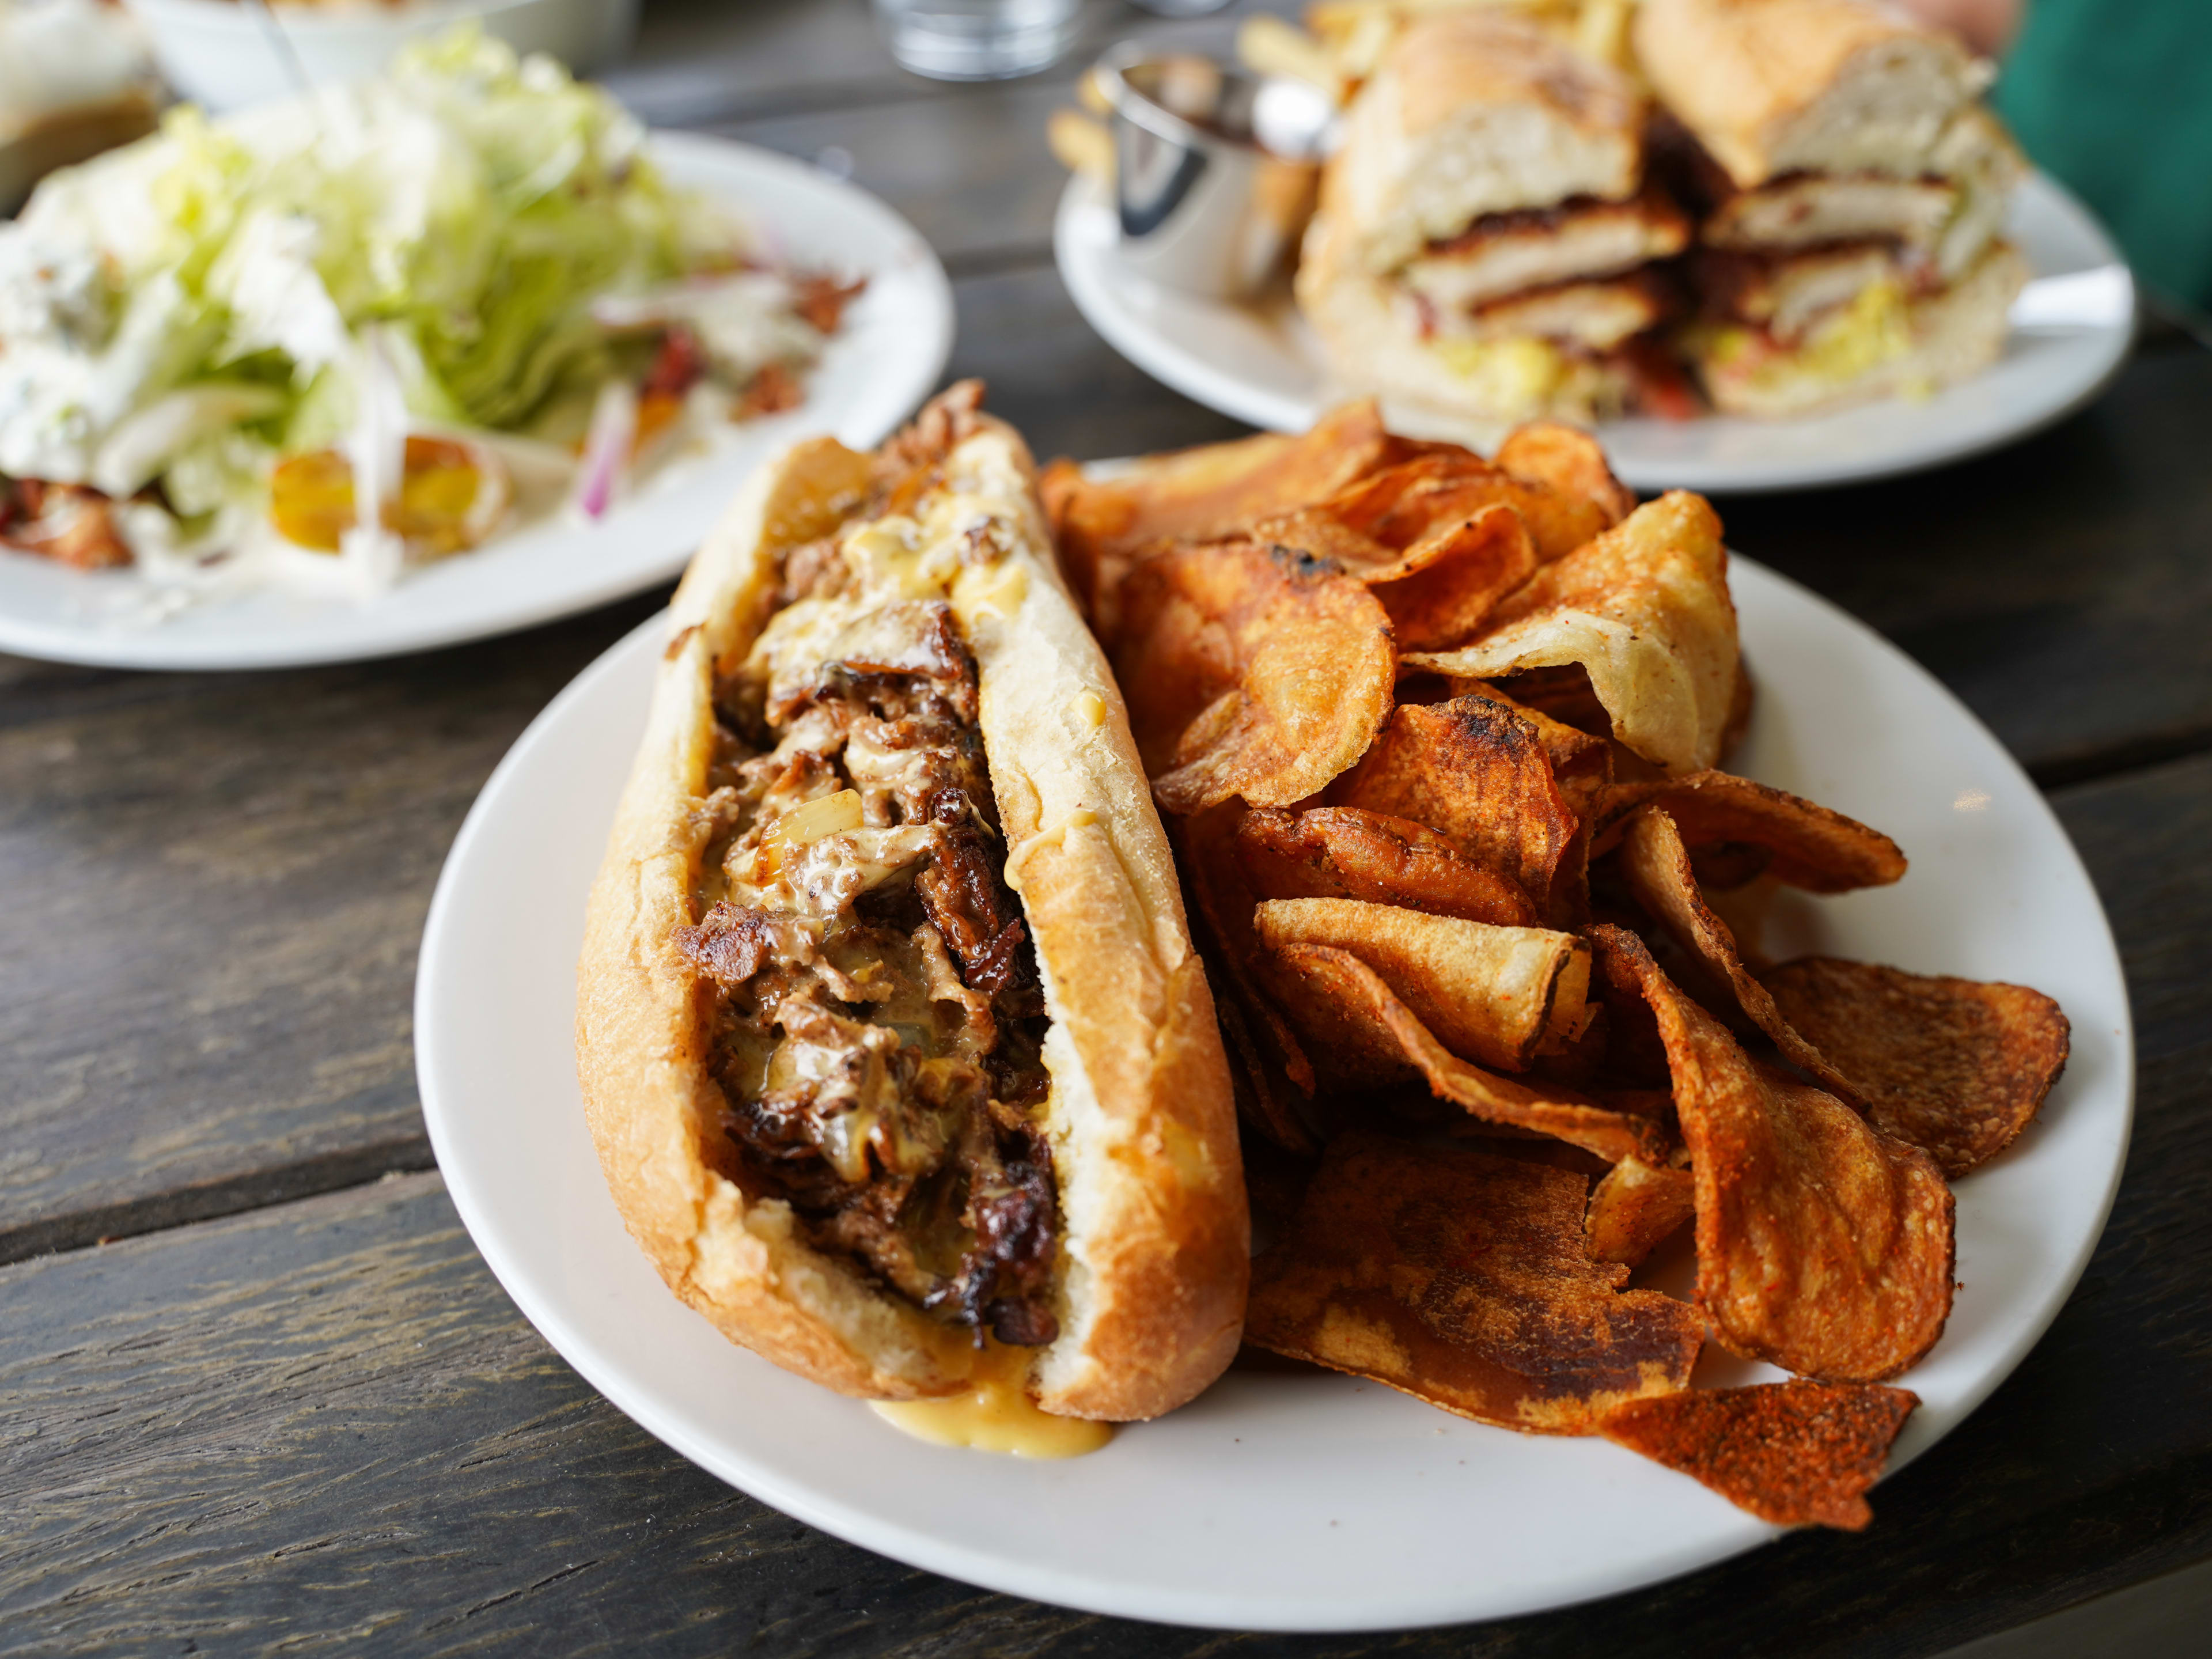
(888, 353)
(1276, 1500)
(2071, 330)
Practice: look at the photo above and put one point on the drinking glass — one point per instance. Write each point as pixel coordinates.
(977, 39)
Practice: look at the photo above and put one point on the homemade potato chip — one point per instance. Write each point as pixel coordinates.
(1440, 590)
(1360, 1024)
(1955, 1067)
(1797, 1454)
(1824, 1246)
(1492, 995)
(1809, 845)
(1570, 461)
(1582, 765)
(1104, 525)
(1460, 1278)
(1644, 609)
(1477, 773)
(1635, 1208)
(1344, 852)
(1657, 868)
(1250, 673)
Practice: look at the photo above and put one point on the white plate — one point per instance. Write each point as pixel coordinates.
(1276, 1501)
(893, 346)
(1261, 364)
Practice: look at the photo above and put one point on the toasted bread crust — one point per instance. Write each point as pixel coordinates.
(1153, 1213)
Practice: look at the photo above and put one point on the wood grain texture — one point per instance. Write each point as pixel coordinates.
(214, 885)
(322, 1426)
(2060, 587)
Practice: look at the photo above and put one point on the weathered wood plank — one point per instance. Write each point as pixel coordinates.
(323, 1425)
(702, 62)
(214, 888)
(2060, 587)
(973, 174)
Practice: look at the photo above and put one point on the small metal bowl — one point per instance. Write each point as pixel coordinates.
(1215, 170)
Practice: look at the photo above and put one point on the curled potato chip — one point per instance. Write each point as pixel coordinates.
(1644, 609)
(1658, 867)
(1460, 1278)
(1478, 773)
(1570, 461)
(1440, 545)
(1808, 846)
(1636, 1208)
(1250, 673)
(1104, 524)
(1261, 1081)
(1492, 995)
(1796, 1454)
(1344, 852)
(1370, 1032)
(1824, 1246)
(1955, 1067)
(1439, 590)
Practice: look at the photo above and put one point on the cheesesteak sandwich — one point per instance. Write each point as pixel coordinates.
(1486, 230)
(1850, 189)
(898, 1059)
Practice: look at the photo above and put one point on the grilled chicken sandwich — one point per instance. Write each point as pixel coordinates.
(1850, 190)
(1486, 229)
(898, 1059)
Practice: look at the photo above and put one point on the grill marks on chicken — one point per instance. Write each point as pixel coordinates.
(875, 1010)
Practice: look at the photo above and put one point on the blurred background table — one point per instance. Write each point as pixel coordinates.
(257, 1392)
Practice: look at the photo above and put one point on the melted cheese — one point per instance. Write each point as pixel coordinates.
(1091, 709)
(1051, 836)
(995, 1414)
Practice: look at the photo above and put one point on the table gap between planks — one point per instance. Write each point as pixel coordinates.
(287, 1406)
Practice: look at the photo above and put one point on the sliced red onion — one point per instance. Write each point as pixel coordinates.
(607, 444)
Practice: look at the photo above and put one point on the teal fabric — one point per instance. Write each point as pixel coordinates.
(2115, 98)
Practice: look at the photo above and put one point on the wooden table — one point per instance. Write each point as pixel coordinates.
(259, 1392)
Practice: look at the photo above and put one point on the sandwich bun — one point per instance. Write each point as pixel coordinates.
(1149, 1287)
(1474, 112)
(1879, 347)
(1771, 86)
(1372, 336)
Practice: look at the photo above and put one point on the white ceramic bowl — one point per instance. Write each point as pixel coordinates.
(218, 52)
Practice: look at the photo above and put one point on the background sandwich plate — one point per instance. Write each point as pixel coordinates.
(1259, 362)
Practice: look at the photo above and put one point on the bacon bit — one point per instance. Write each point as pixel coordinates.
(822, 300)
(66, 523)
(774, 389)
(680, 364)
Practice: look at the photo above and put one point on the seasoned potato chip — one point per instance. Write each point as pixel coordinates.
(1657, 867)
(1104, 524)
(1492, 995)
(1796, 1454)
(1460, 1278)
(1644, 609)
(1249, 673)
(1343, 851)
(1824, 1246)
(1440, 590)
(1375, 1035)
(1403, 504)
(1477, 773)
(1635, 1209)
(1809, 845)
(1955, 1067)
(1570, 461)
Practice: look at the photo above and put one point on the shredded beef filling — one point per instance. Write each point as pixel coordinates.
(876, 1012)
